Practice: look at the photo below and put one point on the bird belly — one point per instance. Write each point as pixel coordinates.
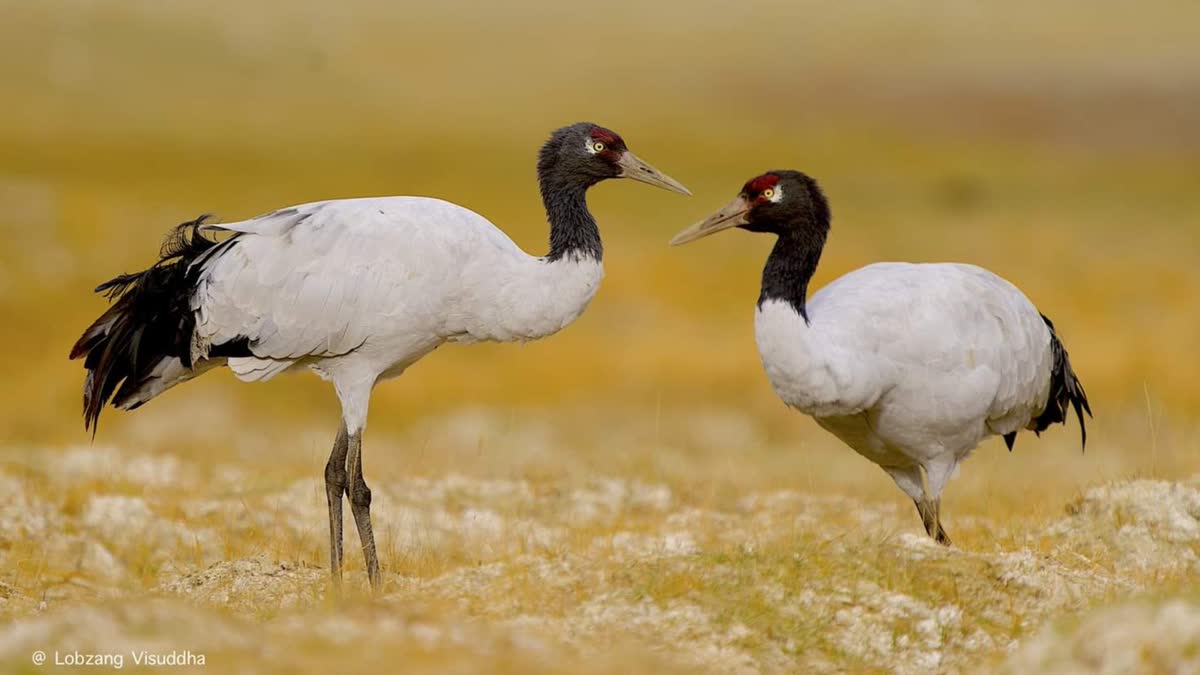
(857, 432)
(921, 418)
(951, 407)
(389, 357)
(889, 446)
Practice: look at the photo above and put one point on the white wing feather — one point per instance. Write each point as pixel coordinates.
(389, 278)
(318, 280)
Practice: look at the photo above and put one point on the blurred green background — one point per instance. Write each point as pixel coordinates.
(1055, 143)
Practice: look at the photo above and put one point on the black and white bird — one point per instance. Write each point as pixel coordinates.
(911, 365)
(356, 290)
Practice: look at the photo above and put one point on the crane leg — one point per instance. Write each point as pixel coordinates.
(937, 473)
(360, 506)
(909, 478)
(335, 487)
(940, 537)
(931, 517)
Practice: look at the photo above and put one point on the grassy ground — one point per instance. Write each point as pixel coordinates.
(113, 552)
(628, 495)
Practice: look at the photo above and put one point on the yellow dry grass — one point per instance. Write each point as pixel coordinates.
(628, 495)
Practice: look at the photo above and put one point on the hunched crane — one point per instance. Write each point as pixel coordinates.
(911, 365)
(356, 290)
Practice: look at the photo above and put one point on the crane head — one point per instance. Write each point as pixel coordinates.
(586, 153)
(780, 202)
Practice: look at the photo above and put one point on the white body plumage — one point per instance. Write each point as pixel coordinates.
(911, 365)
(360, 289)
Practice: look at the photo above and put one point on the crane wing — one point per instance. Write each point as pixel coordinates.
(320, 280)
(975, 338)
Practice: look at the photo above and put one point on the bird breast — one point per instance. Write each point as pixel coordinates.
(810, 373)
(523, 298)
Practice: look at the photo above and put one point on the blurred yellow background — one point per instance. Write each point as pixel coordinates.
(629, 491)
(1054, 143)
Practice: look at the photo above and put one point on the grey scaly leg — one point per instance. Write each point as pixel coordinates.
(335, 487)
(941, 537)
(360, 506)
(937, 472)
(930, 510)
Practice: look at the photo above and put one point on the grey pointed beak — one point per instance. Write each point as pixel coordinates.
(731, 215)
(633, 167)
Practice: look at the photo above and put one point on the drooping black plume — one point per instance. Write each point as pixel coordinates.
(150, 319)
(1065, 390)
(1009, 439)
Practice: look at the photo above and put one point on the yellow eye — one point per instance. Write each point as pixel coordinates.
(769, 193)
(598, 146)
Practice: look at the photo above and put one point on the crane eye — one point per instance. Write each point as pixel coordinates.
(598, 146)
(768, 193)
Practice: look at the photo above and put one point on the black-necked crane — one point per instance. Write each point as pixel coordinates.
(911, 365)
(356, 290)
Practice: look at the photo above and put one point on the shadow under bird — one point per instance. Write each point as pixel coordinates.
(911, 365)
(356, 290)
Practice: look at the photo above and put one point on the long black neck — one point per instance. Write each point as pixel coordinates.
(791, 266)
(573, 231)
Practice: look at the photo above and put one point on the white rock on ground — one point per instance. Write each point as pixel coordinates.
(1136, 637)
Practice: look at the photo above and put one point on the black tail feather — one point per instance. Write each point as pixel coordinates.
(150, 319)
(1065, 391)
